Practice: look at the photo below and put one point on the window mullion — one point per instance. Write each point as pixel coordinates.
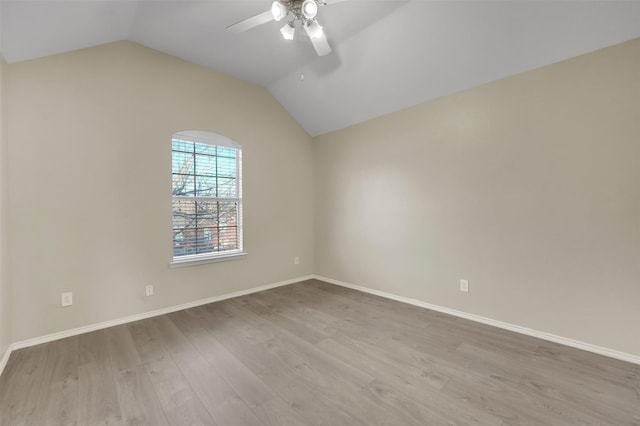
(217, 204)
(205, 198)
(195, 192)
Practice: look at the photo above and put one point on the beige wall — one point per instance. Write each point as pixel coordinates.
(529, 187)
(5, 293)
(90, 206)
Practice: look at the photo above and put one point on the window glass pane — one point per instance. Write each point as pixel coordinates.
(203, 148)
(178, 243)
(206, 165)
(184, 242)
(207, 212)
(183, 185)
(195, 227)
(228, 213)
(227, 188)
(180, 145)
(181, 162)
(228, 239)
(184, 214)
(223, 151)
(184, 224)
(226, 167)
(207, 240)
(205, 186)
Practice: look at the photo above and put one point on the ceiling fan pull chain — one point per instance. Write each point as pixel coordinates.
(301, 55)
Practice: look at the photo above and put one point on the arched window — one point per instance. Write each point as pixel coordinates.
(207, 197)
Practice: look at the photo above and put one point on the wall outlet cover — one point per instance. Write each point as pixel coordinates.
(66, 299)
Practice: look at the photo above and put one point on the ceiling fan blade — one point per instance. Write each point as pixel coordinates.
(320, 43)
(252, 22)
(333, 1)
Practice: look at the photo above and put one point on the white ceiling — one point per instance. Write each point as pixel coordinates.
(387, 55)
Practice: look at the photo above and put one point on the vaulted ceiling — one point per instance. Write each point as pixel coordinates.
(387, 55)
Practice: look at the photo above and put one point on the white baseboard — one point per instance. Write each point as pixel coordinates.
(5, 358)
(511, 327)
(105, 324)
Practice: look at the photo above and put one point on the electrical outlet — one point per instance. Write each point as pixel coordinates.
(464, 285)
(148, 290)
(66, 299)
(296, 260)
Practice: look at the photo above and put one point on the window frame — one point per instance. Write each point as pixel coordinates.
(212, 139)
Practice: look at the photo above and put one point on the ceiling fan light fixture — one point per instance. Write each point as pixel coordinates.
(309, 9)
(296, 14)
(314, 29)
(288, 31)
(279, 11)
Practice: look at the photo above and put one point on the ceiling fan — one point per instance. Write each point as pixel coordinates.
(302, 12)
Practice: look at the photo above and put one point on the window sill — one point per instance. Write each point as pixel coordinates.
(198, 260)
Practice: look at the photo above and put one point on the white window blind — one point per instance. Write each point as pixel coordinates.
(207, 196)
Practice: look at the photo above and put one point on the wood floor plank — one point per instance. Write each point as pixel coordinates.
(408, 315)
(98, 399)
(93, 348)
(290, 347)
(98, 396)
(276, 412)
(594, 409)
(506, 402)
(20, 393)
(247, 385)
(139, 403)
(436, 360)
(579, 390)
(179, 401)
(218, 397)
(596, 369)
(284, 317)
(316, 408)
(413, 412)
(122, 351)
(58, 399)
(247, 349)
(292, 357)
(364, 319)
(313, 353)
(294, 306)
(294, 378)
(408, 379)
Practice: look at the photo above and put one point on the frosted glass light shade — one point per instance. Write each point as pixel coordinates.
(314, 29)
(309, 9)
(279, 11)
(288, 31)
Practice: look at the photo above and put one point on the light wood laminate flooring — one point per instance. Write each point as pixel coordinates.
(313, 353)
